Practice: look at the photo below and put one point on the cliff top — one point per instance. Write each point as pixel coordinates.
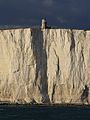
(42, 26)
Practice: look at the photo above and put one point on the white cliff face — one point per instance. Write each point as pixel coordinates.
(48, 65)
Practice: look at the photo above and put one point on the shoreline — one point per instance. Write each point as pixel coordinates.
(43, 105)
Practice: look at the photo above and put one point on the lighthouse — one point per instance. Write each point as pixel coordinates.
(44, 24)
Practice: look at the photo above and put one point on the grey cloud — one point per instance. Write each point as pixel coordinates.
(62, 20)
(48, 3)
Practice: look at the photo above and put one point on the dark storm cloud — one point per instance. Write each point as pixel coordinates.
(61, 13)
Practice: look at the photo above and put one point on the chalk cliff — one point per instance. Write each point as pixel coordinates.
(44, 65)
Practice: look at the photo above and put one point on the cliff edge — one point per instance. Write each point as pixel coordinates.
(44, 65)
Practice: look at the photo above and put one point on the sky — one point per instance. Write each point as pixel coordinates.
(58, 13)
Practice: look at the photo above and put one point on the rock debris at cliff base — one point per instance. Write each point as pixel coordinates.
(44, 65)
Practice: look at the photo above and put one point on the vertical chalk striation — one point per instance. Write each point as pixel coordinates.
(44, 65)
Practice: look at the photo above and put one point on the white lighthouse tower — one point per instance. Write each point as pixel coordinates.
(44, 24)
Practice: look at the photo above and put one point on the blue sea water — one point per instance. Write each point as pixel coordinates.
(44, 112)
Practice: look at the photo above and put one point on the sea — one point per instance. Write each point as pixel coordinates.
(36, 112)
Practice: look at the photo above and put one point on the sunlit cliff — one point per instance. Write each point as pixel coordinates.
(44, 65)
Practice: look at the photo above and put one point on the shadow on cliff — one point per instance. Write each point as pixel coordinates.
(40, 55)
(84, 96)
(72, 41)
